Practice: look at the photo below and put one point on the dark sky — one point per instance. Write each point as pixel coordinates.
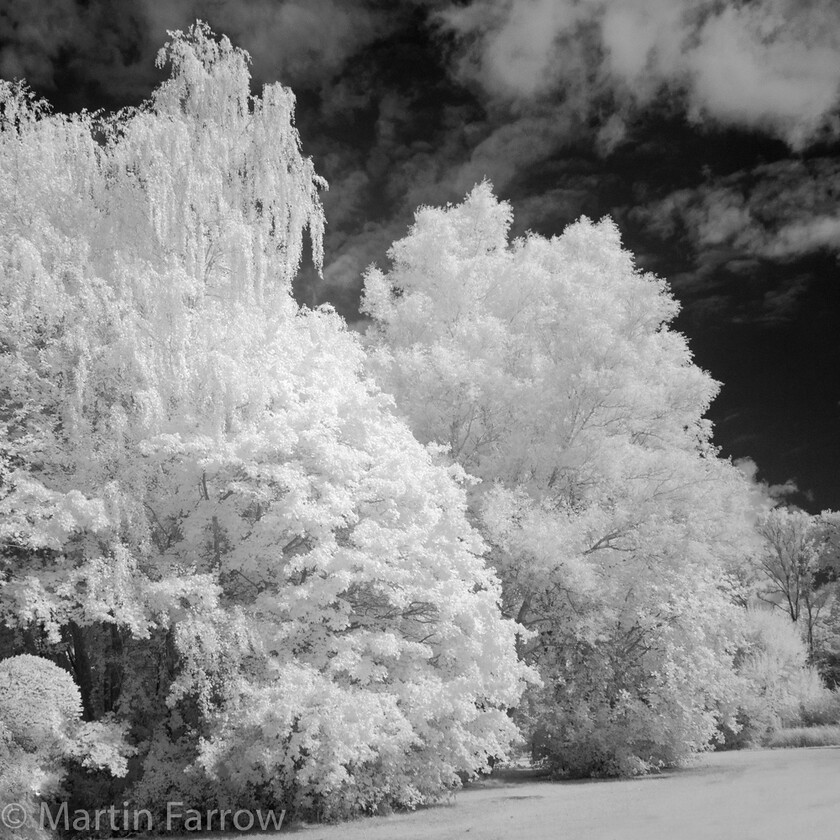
(709, 129)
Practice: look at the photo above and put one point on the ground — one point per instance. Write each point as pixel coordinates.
(747, 795)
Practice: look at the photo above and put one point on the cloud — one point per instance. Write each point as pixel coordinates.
(553, 210)
(33, 33)
(780, 303)
(764, 495)
(514, 49)
(771, 65)
(753, 243)
(778, 211)
(802, 236)
(82, 47)
(107, 47)
(508, 149)
(298, 42)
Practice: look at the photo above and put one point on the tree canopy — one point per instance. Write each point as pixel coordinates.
(211, 515)
(250, 558)
(548, 369)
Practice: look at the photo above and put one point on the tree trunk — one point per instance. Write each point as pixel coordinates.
(82, 668)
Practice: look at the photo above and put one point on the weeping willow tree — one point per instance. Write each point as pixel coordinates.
(210, 516)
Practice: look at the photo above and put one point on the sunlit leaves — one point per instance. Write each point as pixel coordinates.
(548, 369)
(205, 477)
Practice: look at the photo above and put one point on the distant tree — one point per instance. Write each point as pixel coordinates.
(797, 562)
(208, 510)
(547, 369)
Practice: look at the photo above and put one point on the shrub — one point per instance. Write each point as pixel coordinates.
(822, 710)
(41, 732)
(779, 688)
(39, 704)
(805, 736)
(609, 713)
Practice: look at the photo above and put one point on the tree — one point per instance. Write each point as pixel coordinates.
(547, 369)
(796, 563)
(210, 513)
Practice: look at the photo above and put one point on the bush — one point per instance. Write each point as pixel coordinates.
(805, 736)
(779, 688)
(822, 710)
(41, 732)
(39, 704)
(606, 713)
(23, 780)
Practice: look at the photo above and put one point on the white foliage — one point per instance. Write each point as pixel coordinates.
(780, 685)
(548, 370)
(189, 458)
(41, 729)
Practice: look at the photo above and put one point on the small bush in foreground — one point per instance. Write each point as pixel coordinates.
(41, 732)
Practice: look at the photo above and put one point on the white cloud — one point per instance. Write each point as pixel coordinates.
(776, 211)
(643, 43)
(764, 495)
(509, 149)
(721, 218)
(297, 42)
(806, 235)
(515, 49)
(768, 66)
(772, 65)
(113, 42)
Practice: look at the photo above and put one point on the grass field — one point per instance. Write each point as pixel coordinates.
(761, 794)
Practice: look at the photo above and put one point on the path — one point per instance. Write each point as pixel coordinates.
(790, 794)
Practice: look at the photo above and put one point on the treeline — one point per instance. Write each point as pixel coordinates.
(250, 559)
